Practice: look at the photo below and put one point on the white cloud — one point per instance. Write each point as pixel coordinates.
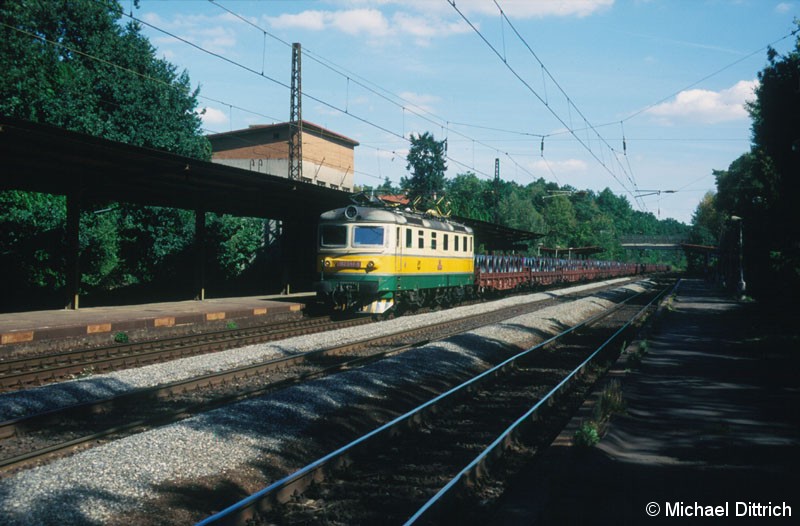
(309, 20)
(350, 21)
(214, 118)
(706, 106)
(513, 8)
(545, 8)
(424, 28)
(784, 7)
(358, 21)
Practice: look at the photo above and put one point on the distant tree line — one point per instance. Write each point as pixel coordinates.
(566, 216)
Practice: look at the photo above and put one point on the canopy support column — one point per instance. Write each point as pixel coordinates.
(200, 253)
(73, 270)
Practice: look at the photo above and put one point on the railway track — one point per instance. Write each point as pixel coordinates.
(411, 468)
(41, 369)
(78, 426)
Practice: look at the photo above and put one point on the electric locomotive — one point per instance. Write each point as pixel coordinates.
(375, 259)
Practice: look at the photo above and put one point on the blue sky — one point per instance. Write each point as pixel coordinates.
(669, 76)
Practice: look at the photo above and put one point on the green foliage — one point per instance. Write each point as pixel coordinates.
(74, 64)
(121, 337)
(235, 242)
(427, 166)
(610, 402)
(31, 229)
(575, 220)
(587, 435)
(761, 188)
(71, 63)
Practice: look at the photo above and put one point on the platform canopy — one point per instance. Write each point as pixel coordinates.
(43, 158)
(570, 252)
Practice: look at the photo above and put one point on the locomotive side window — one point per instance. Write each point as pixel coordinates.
(433, 240)
(455, 243)
(444, 242)
(333, 236)
(421, 240)
(409, 241)
(368, 236)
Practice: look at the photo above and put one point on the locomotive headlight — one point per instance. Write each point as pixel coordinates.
(326, 263)
(370, 266)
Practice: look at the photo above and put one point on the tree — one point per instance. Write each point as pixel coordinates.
(467, 196)
(427, 166)
(776, 133)
(74, 64)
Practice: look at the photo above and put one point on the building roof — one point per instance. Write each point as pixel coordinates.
(256, 130)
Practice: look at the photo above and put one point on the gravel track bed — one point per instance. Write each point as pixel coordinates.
(150, 409)
(34, 400)
(233, 448)
(390, 481)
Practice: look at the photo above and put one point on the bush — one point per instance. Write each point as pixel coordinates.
(587, 435)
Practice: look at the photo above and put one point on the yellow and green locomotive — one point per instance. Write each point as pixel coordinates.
(374, 259)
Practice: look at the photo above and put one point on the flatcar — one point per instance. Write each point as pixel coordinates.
(378, 259)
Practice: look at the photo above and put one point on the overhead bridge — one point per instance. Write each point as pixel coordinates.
(652, 242)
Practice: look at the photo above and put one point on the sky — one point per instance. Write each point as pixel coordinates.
(645, 97)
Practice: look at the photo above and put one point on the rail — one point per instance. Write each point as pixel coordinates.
(285, 487)
(473, 467)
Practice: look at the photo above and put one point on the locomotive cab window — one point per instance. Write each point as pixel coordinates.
(333, 236)
(408, 238)
(368, 236)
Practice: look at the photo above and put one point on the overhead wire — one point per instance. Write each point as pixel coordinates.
(628, 174)
(402, 103)
(539, 97)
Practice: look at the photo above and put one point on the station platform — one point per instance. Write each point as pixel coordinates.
(710, 432)
(65, 329)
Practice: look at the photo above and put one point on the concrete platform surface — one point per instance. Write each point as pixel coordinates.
(710, 435)
(62, 328)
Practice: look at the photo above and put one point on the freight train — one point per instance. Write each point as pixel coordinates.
(382, 260)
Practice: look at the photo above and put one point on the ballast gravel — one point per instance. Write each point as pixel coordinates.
(105, 483)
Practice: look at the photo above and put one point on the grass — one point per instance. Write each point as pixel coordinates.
(610, 402)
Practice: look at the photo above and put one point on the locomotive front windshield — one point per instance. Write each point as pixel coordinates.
(368, 236)
(333, 236)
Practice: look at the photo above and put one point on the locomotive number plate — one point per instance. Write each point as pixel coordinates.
(348, 264)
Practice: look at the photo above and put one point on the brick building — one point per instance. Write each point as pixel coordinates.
(327, 156)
